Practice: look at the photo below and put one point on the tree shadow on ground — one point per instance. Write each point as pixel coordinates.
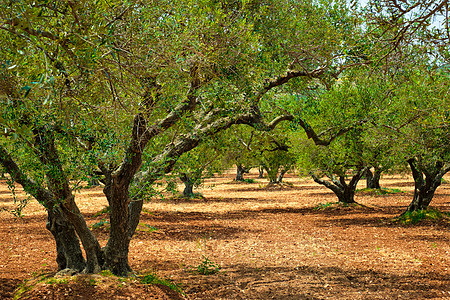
(265, 188)
(399, 184)
(183, 232)
(7, 287)
(313, 282)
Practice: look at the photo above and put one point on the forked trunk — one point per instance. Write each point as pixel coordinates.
(345, 192)
(373, 179)
(241, 170)
(425, 186)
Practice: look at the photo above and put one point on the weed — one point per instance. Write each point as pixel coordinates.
(145, 210)
(105, 210)
(207, 267)
(323, 206)
(22, 289)
(415, 217)
(153, 278)
(99, 224)
(106, 273)
(146, 228)
(249, 180)
(380, 192)
(53, 280)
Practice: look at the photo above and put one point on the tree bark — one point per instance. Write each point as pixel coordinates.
(281, 175)
(373, 179)
(188, 185)
(425, 186)
(116, 250)
(69, 254)
(241, 170)
(345, 192)
(45, 148)
(261, 172)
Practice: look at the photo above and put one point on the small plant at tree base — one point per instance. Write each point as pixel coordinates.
(153, 278)
(324, 205)
(415, 217)
(106, 273)
(105, 210)
(99, 224)
(249, 180)
(146, 227)
(379, 192)
(207, 267)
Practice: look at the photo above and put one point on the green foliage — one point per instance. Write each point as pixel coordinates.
(379, 192)
(19, 203)
(249, 180)
(106, 273)
(100, 224)
(206, 267)
(321, 206)
(105, 210)
(153, 278)
(415, 217)
(146, 228)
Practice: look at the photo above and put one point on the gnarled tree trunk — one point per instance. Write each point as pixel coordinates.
(241, 170)
(345, 192)
(69, 254)
(373, 179)
(281, 175)
(425, 187)
(188, 185)
(261, 172)
(116, 250)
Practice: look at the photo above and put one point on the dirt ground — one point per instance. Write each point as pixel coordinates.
(269, 243)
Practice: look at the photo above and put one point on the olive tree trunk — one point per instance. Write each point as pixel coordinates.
(426, 180)
(281, 175)
(45, 148)
(241, 170)
(261, 172)
(373, 179)
(188, 185)
(343, 190)
(69, 254)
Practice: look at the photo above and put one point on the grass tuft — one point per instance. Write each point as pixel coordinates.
(415, 217)
(153, 278)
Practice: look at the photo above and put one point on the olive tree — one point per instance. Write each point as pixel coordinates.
(128, 88)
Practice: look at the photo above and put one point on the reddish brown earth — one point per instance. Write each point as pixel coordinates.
(270, 244)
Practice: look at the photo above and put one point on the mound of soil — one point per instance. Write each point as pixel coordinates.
(92, 287)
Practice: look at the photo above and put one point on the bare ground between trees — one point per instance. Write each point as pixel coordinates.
(270, 244)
